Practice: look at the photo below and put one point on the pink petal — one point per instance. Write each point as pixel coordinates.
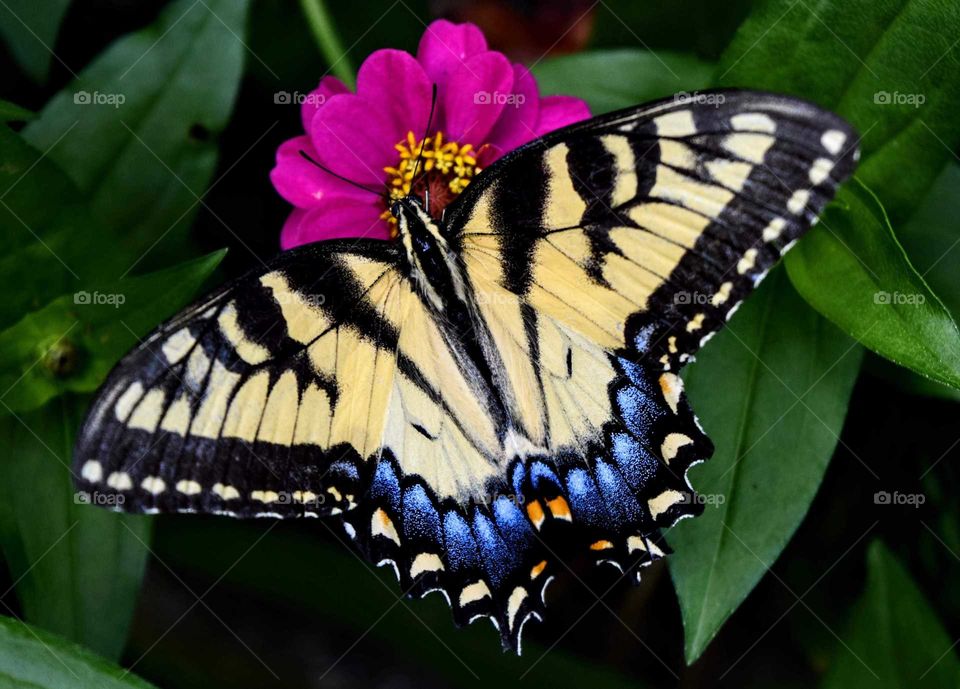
(488, 154)
(301, 182)
(518, 121)
(559, 111)
(446, 45)
(354, 139)
(398, 89)
(336, 219)
(475, 95)
(329, 86)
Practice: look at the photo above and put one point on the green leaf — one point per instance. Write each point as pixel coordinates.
(771, 391)
(894, 639)
(932, 238)
(138, 130)
(30, 30)
(873, 63)
(77, 568)
(34, 659)
(880, 300)
(46, 249)
(11, 112)
(73, 342)
(613, 79)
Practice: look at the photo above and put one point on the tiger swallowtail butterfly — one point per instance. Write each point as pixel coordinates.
(491, 383)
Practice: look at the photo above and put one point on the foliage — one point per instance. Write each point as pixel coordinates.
(111, 188)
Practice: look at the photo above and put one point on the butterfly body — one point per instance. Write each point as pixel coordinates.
(492, 386)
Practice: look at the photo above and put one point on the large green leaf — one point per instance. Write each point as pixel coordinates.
(872, 62)
(880, 300)
(137, 131)
(34, 659)
(894, 639)
(30, 30)
(47, 248)
(73, 342)
(76, 568)
(932, 237)
(771, 391)
(613, 79)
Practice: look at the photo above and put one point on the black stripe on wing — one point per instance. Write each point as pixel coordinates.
(202, 416)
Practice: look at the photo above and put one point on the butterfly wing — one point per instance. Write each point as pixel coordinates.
(320, 385)
(602, 257)
(262, 399)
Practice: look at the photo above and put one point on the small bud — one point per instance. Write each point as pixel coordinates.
(62, 358)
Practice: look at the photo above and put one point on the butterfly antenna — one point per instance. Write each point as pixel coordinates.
(423, 141)
(309, 158)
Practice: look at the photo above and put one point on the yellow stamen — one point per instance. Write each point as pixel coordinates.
(444, 162)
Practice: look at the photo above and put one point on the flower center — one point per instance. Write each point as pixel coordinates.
(446, 170)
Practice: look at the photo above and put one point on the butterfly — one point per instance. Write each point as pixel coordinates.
(492, 385)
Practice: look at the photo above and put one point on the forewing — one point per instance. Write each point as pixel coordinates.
(601, 258)
(263, 399)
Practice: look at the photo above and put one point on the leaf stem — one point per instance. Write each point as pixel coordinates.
(325, 35)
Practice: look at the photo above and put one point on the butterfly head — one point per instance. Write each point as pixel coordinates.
(430, 260)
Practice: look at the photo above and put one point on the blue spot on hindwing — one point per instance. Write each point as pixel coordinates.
(498, 559)
(385, 485)
(634, 460)
(585, 499)
(637, 409)
(420, 518)
(617, 497)
(461, 546)
(513, 524)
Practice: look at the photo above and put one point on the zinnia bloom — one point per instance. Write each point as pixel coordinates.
(485, 107)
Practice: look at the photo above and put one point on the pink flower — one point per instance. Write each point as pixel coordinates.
(486, 106)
